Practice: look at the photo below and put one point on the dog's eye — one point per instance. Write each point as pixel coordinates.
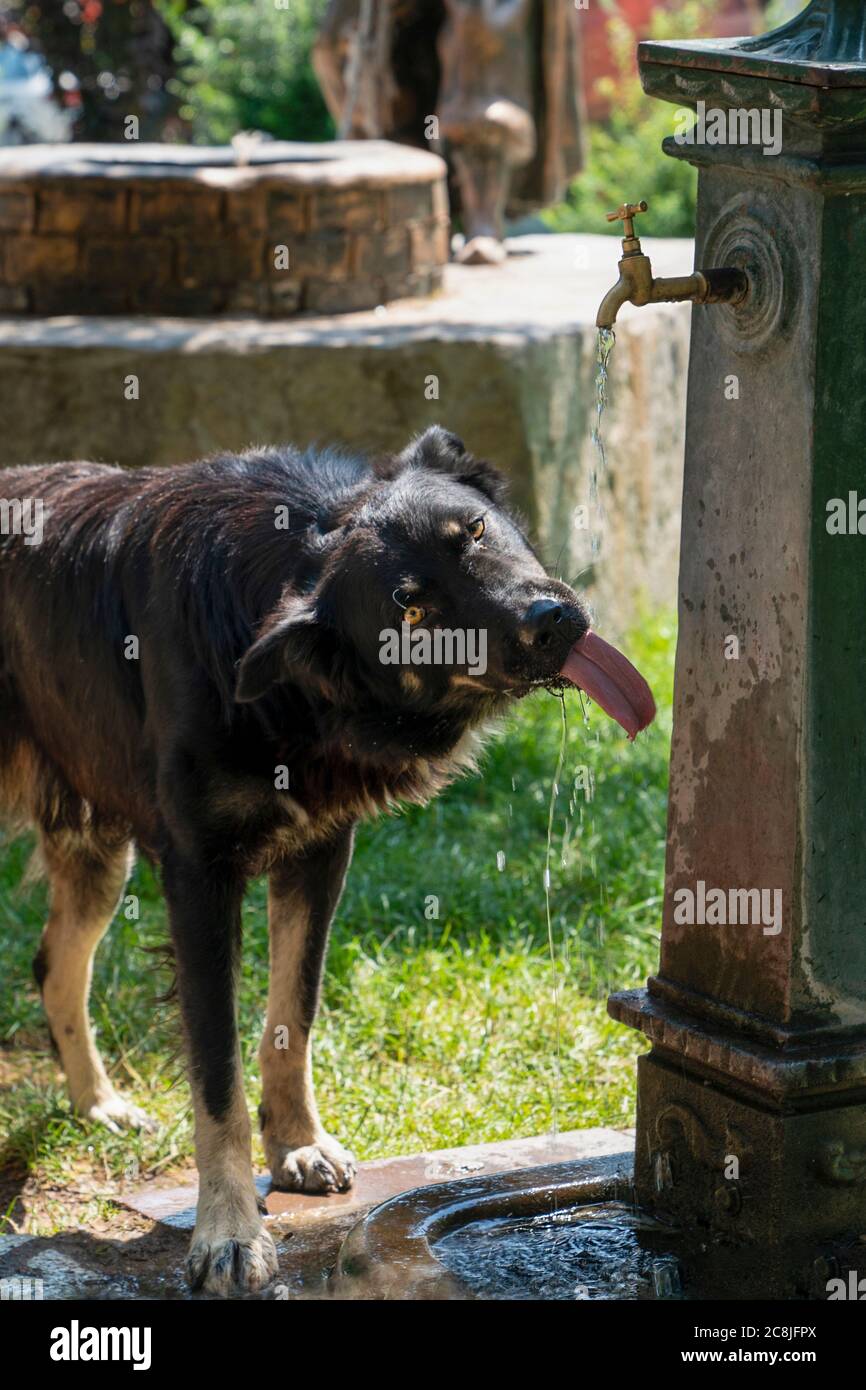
(413, 614)
(476, 528)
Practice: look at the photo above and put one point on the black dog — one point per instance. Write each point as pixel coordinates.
(192, 660)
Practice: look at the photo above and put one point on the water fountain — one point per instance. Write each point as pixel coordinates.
(751, 1127)
(759, 1031)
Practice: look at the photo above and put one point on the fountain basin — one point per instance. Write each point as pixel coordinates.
(563, 1231)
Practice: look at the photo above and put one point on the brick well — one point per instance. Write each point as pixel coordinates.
(185, 230)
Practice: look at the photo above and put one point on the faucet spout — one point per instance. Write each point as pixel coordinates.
(637, 284)
(612, 303)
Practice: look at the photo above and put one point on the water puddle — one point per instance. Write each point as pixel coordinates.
(605, 1251)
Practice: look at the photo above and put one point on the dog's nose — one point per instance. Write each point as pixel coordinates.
(540, 619)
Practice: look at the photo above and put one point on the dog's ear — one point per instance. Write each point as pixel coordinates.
(291, 646)
(442, 451)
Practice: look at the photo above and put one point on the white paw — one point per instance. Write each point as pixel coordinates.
(321, 1167)
(231, 1264)
(115, 1113)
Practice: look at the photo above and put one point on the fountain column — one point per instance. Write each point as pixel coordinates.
(752, 1101)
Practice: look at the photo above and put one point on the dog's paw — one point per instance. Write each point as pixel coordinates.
(321, 1167)
(226, 1264)
(115, 1113)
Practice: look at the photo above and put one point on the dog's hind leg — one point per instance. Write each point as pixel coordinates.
(303, 896)
(87, 877)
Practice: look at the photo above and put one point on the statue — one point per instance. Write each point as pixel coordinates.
(495, 85)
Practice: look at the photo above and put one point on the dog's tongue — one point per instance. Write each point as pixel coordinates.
(611, 680)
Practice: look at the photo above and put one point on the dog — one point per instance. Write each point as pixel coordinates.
(191, 662)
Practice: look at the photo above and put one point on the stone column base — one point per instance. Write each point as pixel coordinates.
(773, 1180)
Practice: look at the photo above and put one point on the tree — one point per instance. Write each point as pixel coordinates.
(245, 65)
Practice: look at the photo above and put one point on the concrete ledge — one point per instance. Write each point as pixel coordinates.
(337, 162)
(505, 356)
(382, 1178)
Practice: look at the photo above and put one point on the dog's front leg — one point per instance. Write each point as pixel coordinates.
(303, 896)
(230, 1249)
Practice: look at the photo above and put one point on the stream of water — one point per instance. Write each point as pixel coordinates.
(554, 960)
(604, 348)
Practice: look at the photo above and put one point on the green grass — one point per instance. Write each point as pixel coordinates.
(433, 1031)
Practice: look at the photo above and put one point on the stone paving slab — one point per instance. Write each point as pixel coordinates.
(73, 1266)
(149, 1263)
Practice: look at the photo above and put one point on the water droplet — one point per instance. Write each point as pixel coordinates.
(500, 859)
(662, 1171)
(666, 1279)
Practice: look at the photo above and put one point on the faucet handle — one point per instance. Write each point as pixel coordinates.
(626, 214)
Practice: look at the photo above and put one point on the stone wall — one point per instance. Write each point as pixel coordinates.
(158, 229)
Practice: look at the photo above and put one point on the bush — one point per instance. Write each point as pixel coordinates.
(625, 161)
(245, 65)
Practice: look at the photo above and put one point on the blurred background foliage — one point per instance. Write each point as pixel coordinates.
(625, 161)
(245, 65)
(197, 70)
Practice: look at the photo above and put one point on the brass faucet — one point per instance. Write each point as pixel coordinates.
(638, 285)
